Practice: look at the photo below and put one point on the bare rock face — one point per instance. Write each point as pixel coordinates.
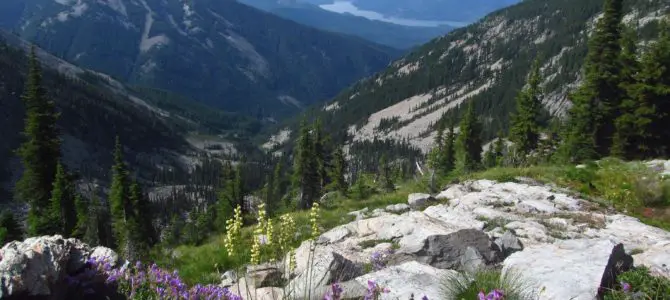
(38, 266)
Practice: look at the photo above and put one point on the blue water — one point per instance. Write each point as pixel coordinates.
(348, 7)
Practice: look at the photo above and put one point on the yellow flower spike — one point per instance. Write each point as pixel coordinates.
(233, 227)
(314, 216)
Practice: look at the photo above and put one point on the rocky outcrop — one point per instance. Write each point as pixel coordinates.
(38, 266)
(560, 246)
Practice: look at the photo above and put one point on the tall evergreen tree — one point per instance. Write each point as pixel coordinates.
(305, 171)
(448, 159)
(279, 182)
(119, 203)
(62, 211)
(469, 143)
(643, 125)
(386, 181)
(321, 155)
(596, 102)
(143, 214)
(525, 122)
(83, 217)
(271, 203)
(624, 144)
(437, 153)
(339, 170)
(494, 155)
(39, 153)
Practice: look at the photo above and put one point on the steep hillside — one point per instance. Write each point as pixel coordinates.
(486, 62)
(393, 35)
(94, 108)
(222, 53)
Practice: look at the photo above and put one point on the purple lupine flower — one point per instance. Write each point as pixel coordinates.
(335, 293)
(424, 297)
(481, 296)
(625, 286)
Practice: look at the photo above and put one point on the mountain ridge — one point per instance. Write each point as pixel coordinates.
(486, 62)
(221, 53)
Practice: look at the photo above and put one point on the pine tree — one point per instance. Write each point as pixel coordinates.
(495, 154)
(624, 144)
(143, 214)
(62, 221)
(448, 159)
(339, 170)
(386, 181)
(39, 153)
(437, 153)
(321, 156)
(11, 229)
(525, 122)
(83, 214)
(643, 125)
(469, 144)
(271, 203)
(279, 182)
(119, 197)
(305, 172)
(596, 102)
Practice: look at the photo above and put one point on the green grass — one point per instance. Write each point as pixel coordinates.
(466, 287)
(204, 263)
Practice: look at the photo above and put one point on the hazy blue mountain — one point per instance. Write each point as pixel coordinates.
(442, 10)
(394, 35)
(219, 52)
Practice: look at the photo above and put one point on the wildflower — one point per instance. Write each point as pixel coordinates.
(286, 232)
(335, 293)
(625, 286)
(379, 259)
(233, 231)
(313, 218)
(374, 290)
(424, 297)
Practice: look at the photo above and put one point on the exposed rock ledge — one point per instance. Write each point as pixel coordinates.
(557, 243)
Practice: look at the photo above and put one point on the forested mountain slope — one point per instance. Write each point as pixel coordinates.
(221, 53)
(487, 62)
(94, 109)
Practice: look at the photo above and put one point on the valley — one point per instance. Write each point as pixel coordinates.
(319, 149)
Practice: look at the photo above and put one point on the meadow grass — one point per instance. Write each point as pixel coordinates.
(466, 287)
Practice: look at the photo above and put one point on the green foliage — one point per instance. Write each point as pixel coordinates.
(495, 155)
(338, 171)
(62, 215)
(640, 284)
(385, 177)
(463, 287)
(83, 217)
(10, 229)
(525, 122)
(39, 153)
(362, 188)
(469, 143)
(597, 100)
(639, 134)
(119, 196)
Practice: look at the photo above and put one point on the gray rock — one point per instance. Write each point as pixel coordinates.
(359, 214)
(508, 244)
(37, 266)
(333, 236)
(448, 251)
(472, 261)
(228, 278)
(397, 208)
(409, 278)
(418, 200)
(570, 269)
(265, 275)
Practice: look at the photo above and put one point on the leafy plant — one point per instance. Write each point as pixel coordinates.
(463, 286)
(639, 284)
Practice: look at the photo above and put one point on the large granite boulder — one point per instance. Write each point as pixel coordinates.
(38, 266)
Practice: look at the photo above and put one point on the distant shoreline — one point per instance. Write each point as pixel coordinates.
(343, 7)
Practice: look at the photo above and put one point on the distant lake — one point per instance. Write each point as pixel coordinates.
(348, 7)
